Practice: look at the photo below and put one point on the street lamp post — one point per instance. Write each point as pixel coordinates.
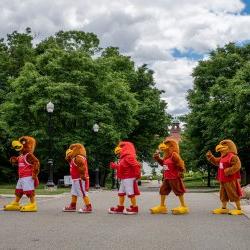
(113, 179)
(97, 184)
(209, 176)
(50, 110)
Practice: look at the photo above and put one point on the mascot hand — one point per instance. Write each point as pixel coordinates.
(156, 155)
(36, 182)
(113, 165)
(209, 154)
(35, 174)
(138, 176)
(226, 172)
(13, 160)
(181, 175)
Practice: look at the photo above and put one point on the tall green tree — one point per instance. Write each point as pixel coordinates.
(218, 104)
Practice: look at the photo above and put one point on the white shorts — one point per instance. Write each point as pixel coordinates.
(127, 187)
(25, 184)
(78, 188)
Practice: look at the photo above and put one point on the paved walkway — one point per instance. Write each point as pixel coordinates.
(52, 229)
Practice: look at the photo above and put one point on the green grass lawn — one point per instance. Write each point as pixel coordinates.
(10, 189)
(200, 183)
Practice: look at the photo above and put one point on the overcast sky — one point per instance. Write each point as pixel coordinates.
(169, 35)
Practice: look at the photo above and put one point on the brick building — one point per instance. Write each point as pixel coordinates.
(175, 130)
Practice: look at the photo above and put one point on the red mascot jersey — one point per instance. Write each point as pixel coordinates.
(25, 169)
(225, 162)
(170, 171)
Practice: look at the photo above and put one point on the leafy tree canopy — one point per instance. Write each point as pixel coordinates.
(87, 85)
(219, 105)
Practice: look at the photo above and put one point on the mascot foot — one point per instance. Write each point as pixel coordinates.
(30, 207)
(159, 210)
(69, 209)
(180, 210)
(116, 210)
(131, 210)
(236, 212)
(86, 209)
(221, 211)
(13, 206)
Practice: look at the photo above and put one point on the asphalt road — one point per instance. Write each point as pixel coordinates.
(52, 229)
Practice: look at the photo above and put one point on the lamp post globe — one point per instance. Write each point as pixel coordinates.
(96, 128)
(50, 109)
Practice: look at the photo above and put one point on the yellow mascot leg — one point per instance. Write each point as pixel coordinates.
(222, 210)
(237, 211)
(86, 200)
(121, 200)
(14, 205)
(160, 209)
(73, 199)
(182, 209)
(30, 207)
(133, 201)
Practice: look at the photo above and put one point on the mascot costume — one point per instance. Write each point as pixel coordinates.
(173, 169)
(228, 175)
(76, 157)
(28, 169)
(128, 171)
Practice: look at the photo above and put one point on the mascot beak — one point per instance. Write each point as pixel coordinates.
(17, 145)
(118, 150)
(163, 147)
(68, 152)
(220, 148)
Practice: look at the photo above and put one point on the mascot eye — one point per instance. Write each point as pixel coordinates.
(23, 142)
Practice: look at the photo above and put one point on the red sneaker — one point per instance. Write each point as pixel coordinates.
(131, 210)
(86, 209)
(116, 210)
(70, 208)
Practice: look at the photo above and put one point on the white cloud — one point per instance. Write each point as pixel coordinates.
(174, 77)
(144, 29)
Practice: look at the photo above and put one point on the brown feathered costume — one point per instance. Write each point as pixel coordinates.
(228, 175)
(76, 157)
(28, 169)
(173, 169)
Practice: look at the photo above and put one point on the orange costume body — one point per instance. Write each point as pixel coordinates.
(228, 175)
(173, 168)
